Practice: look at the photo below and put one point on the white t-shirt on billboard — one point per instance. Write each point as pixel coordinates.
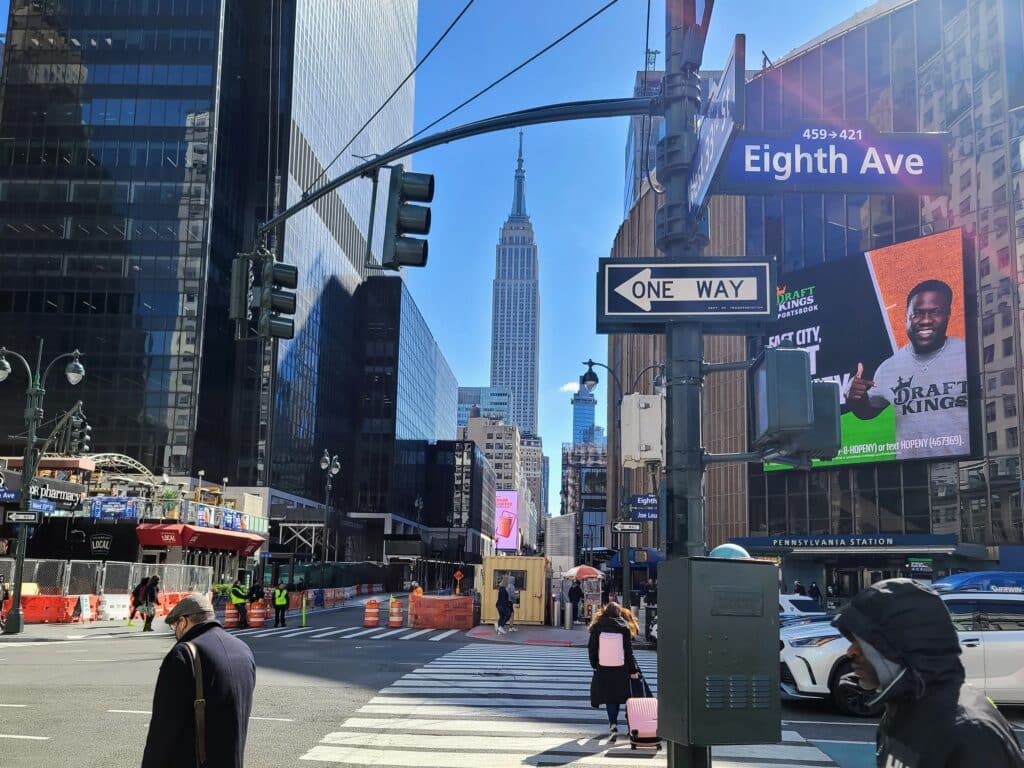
(929, 395)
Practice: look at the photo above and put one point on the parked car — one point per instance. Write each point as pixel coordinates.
(799, 609)
(812, 657)
(982, 581)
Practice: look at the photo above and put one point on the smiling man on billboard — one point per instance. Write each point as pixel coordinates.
(925, 381)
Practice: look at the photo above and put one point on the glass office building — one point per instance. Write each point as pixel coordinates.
(144, 140)
(929, 65)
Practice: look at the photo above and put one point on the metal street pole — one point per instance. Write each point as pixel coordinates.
(15, 622)
(678, 235)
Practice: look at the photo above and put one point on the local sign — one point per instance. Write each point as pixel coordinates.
(724, 115)
(819, 157)
(653, 291)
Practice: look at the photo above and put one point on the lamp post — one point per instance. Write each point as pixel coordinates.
(331, 467)
(590, 380)
(74, 372)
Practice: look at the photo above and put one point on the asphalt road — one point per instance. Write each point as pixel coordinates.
(85, 702)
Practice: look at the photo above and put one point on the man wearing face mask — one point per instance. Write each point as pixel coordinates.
(215, 737)
(904, 647)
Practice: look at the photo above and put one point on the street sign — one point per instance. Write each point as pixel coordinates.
(41, 505)
(725, 115)
(623, 526)
(18, 516)
(633, 294)
(819, 157)
(6, 495)
(645, 507)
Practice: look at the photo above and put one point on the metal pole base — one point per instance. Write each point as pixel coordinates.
(14, 622)
(688, 756)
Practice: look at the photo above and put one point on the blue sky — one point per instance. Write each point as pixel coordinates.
(574, 171)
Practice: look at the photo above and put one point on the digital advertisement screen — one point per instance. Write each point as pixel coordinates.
(506, 521)
(889, 327)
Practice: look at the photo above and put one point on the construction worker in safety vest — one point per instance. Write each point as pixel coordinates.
(280, 604)
(239, 596)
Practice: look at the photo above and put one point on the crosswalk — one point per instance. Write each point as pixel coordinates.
(327, 633)
(501, 706)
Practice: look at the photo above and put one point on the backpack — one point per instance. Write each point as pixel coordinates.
(610, 650)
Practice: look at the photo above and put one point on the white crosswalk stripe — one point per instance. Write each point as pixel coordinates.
(347, 633)
(508, 707)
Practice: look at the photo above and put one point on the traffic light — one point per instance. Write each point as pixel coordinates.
(276, 299)
(241, 287)
(823, 440)
(79, 435)
(406, 219)
(783, 404)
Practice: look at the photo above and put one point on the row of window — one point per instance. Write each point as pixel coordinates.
(105, 40)
(111, 74)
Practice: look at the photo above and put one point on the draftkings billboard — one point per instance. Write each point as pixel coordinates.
(888, 326)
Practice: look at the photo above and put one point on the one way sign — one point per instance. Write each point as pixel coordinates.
(723, 293)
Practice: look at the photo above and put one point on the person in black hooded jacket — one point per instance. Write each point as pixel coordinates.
(905, 648)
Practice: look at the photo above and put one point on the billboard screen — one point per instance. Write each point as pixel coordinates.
(506, 521)
(888, 326)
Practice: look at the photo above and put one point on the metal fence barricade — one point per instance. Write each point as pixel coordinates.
(44, 577)
(83, 577)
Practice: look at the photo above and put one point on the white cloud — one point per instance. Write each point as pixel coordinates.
(570, 386)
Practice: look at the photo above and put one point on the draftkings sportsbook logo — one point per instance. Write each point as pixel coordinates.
(797, 302)
(935, 397)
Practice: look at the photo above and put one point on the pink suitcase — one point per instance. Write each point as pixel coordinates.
(642, 717)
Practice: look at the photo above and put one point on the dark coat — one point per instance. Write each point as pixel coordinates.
(575, 593)
(610, 685)
(504, 601)
(151, 594)
(933, 719)
(229, 676)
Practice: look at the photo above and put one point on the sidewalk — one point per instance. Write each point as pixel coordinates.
(544, 635)
(48, 633)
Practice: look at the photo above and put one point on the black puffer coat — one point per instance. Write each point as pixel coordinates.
(610, 685)
(933, 719)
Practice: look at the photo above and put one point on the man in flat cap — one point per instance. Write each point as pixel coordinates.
(203, 694)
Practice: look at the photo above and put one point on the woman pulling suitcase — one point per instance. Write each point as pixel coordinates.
(611, 656)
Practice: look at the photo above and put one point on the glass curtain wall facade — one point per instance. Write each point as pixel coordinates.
(930, 65)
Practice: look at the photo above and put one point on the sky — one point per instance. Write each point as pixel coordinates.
(575, 172)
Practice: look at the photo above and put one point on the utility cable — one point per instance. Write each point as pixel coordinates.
(511, 72)
(648, 122)
(387, 101)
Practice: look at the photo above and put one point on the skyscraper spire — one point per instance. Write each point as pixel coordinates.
(519, 197)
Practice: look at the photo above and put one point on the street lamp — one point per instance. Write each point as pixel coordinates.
(74, 371)
(331, 467)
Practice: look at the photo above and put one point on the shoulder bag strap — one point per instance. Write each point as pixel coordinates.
(199, 705)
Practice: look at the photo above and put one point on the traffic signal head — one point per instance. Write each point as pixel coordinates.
(276, 299)
(80, 435)
(783, 405)
(823, 440)
(241, 287)
(404, 219)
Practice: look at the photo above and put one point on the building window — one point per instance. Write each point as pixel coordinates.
(989, 353)
(985, 268)
(990, 411)
(1007, 377)
(965, 180)
(1004, 258)
(988, 325)
(1008, 346)
(1011, 438)
(991, 442)
(1009, 406)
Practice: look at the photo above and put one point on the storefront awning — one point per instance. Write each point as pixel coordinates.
(177, 535)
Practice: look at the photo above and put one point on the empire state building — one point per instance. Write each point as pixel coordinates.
(515, 309)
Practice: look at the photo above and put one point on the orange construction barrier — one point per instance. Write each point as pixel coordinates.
(371, 614)
(395, 614)
(230, 616)
(257, 614)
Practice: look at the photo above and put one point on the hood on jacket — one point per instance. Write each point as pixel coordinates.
(908, 624)
(609, 624)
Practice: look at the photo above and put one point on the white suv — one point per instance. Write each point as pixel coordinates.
(991, 628)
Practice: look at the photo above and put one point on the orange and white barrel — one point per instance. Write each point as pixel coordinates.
(395, 618)
(230, 616)
(257, 614)
(371, 614)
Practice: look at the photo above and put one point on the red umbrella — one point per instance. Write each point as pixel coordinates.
(582, 572)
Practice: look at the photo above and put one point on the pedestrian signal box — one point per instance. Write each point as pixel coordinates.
(783, 404)
(718, 652)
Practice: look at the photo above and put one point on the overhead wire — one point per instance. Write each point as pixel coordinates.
(648, 123)
(394, 93)
(511, 72)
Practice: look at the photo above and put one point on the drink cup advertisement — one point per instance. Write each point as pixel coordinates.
(889, 327)
(506, 521)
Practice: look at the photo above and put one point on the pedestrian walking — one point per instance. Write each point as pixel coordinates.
(651, 596)
(138, 598)
(799, 589)
(611, 656)
(203, 695)
(504, 606)
(814, 593)
(905, 649)
(575, 597)
(239, 595)
(150, 601)
(280, 604)
(513, 600)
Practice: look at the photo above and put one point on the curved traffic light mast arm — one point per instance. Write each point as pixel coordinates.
(552, 113)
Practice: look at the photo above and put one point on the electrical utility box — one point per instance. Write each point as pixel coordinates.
(783, 403)
(718, 652)
(643, 430)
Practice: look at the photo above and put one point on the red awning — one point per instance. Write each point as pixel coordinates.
(177, 535)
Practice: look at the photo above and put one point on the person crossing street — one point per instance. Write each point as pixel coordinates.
(239, 596)
(280, 604)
